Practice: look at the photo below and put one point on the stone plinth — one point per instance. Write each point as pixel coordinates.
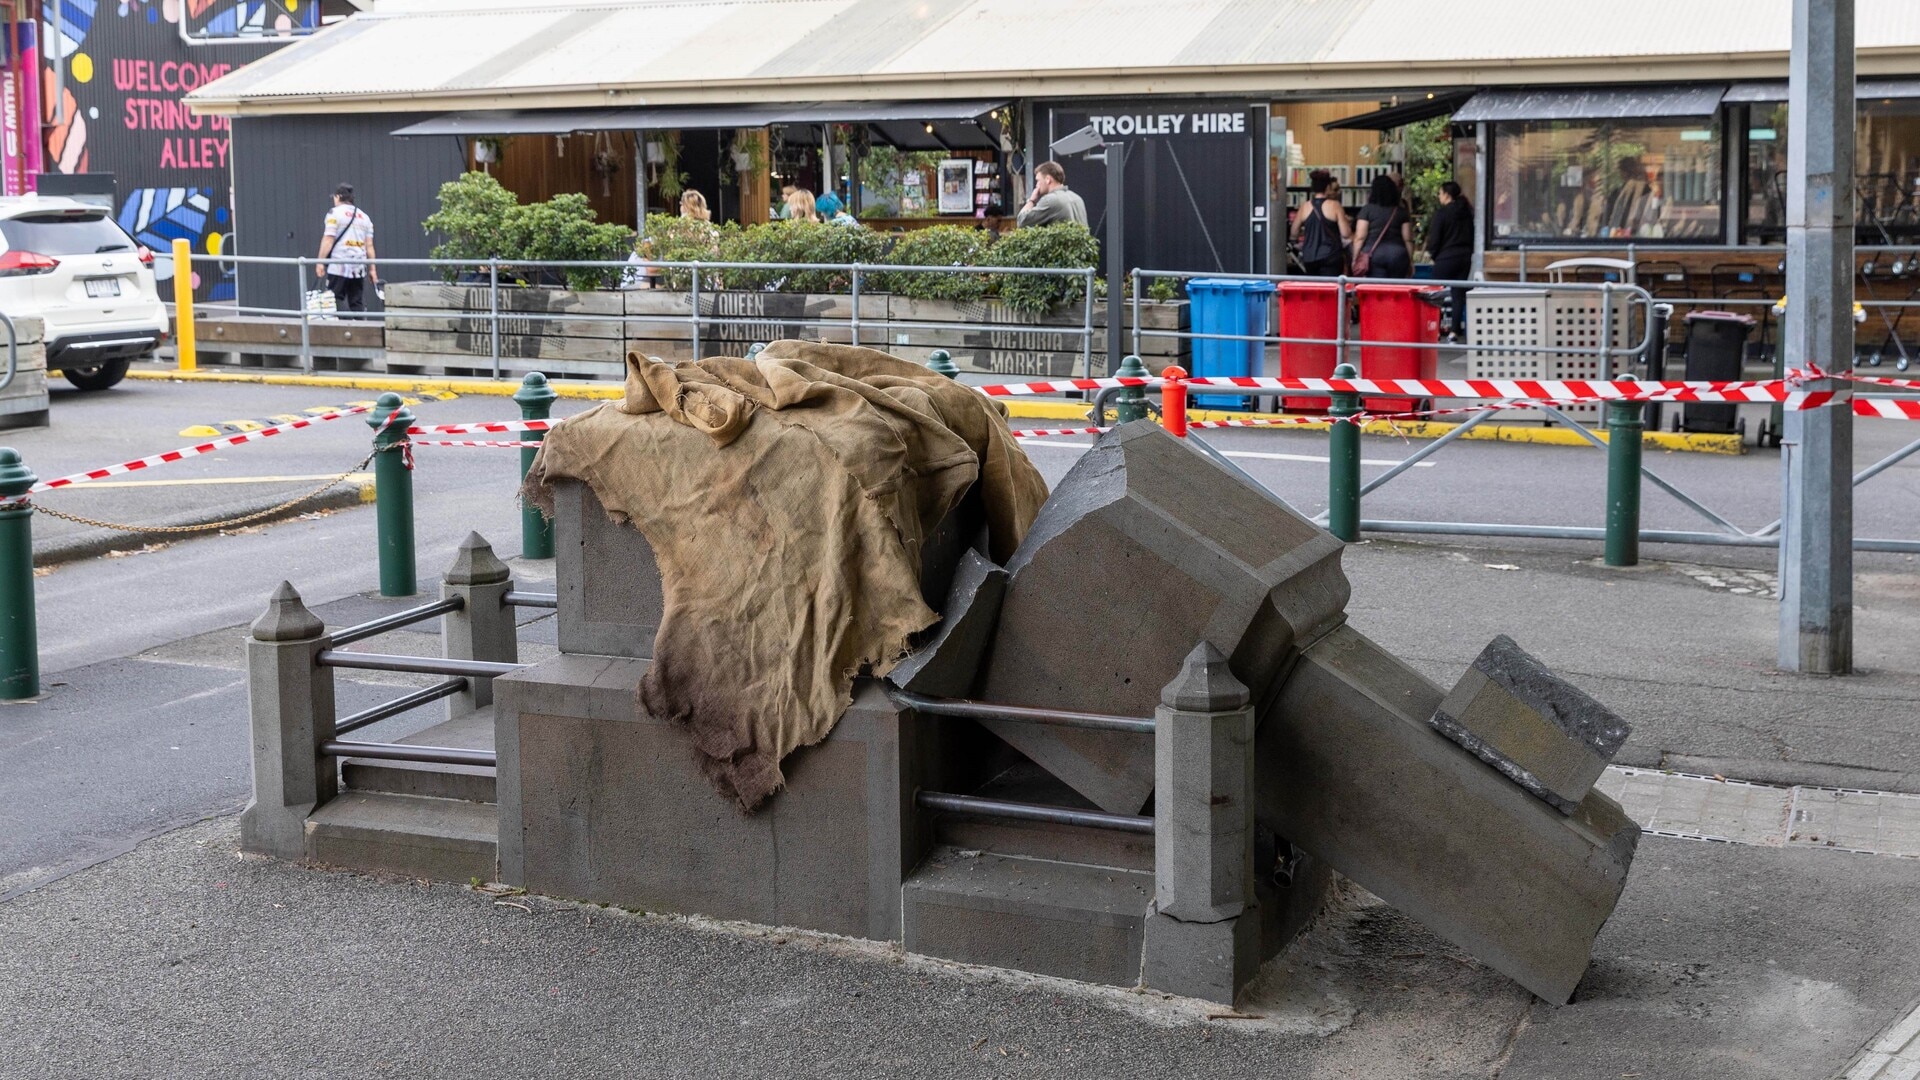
(599, 802)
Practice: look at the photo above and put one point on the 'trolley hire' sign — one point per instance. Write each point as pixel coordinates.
(1170, 123)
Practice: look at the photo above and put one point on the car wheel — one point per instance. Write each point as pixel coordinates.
(96, 376)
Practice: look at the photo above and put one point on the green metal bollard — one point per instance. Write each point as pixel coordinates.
(1343, 462)
(393, 494)
(1625, 422)
(755, 349)
(536, 403)
(1129, 402)
(941, 362)
(19, 635)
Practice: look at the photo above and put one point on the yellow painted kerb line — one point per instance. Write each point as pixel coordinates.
(1532, 434)
(492, 387)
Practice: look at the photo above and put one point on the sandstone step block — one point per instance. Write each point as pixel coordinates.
(438, 839)
(1544, 733)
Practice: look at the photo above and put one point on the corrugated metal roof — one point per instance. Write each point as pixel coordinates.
(655, 52)
(1612, 103)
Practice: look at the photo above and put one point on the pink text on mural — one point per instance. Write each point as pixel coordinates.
(168, 77)
(167, 114)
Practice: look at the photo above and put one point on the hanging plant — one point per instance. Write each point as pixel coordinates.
(672, 180)
(749, 154)
(606, 163)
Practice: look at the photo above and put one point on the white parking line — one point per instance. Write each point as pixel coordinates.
(1258, 455)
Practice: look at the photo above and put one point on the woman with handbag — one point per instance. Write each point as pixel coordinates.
(1383, 234)
(1321, 230)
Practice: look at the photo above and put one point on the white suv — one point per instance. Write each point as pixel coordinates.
(69, 264)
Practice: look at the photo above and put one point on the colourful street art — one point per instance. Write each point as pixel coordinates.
(116, 108)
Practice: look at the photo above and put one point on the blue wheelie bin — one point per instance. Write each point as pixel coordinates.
(1228, 306)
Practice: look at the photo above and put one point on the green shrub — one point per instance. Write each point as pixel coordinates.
(798, 242)
(1067, 244)
(940, 245)
(564, 229)
(472, 221)
(671, 238)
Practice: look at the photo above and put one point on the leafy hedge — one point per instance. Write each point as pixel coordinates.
(479, 220)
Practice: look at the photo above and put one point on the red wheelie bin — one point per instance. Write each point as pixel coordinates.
(1308, 309)
(1399, 312)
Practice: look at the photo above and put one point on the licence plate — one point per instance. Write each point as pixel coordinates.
(102, 287)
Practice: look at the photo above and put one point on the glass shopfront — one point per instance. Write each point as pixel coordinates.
(1623, 179)
(1886, 171)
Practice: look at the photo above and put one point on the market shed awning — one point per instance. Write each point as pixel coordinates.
(955, 124)
(1389, 117)
(1863, 90)
(1592, 103)
(455, 55)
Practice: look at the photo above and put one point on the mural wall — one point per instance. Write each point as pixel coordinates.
(118, 110)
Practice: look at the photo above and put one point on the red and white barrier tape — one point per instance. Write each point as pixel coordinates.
(1062, 385)
(1910, 384)
(1767, 390)
(195, 450)
(506, 443)
(1888, 408)
(482, 428)
(1038, 433)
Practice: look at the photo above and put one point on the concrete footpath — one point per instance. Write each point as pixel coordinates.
(1778, 954)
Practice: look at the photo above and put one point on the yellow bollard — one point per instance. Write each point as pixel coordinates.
(183, 341)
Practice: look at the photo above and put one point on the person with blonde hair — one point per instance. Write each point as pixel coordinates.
(800, 206)
(694, 205)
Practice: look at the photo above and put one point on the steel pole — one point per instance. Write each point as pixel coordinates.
(19, 633)
(1116, 158)
(185, 353)
(536, 399)
(1343, 459)
(393, 495)
(1625, 421)
(1816, 544)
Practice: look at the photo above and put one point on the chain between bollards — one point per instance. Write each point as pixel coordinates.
(393, 498)
(19, 632)
(1343, 460)
(536, 403)
(1625, 422)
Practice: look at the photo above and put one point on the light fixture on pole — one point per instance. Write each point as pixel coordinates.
(1087, 143)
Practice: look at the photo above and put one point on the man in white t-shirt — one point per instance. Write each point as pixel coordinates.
(347, 238)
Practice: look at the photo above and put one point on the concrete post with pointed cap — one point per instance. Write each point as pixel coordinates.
(290, 707)
(483, 628)
(1203, 939)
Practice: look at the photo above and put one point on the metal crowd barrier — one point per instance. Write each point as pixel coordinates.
(700, 275)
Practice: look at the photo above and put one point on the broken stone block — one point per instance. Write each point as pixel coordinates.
(1145, 548)
(1544, 733)
(1350, 770)
(948, 664)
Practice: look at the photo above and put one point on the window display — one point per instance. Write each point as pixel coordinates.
(1603, 179)
(1886, 171)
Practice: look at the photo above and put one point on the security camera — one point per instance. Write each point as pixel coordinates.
(1077, 143)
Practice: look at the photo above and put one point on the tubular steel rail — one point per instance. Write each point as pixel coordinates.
(531, 599)
(432, 755)
(694, 319)
(401, 704)
(418, 665)
(397, 620)
(1001, 809)
(982, 710)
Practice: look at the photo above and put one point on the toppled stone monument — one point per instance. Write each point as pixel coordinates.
(1135, 753)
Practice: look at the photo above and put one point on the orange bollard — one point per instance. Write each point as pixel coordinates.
(1173, 401)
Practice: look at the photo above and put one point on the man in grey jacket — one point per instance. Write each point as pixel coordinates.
(1052, 201)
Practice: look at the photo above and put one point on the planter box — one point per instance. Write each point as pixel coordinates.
(24, 403)
(444, 329)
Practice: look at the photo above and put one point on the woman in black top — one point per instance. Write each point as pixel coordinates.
(1384, 233)
(1321, 229)
(1450, 242)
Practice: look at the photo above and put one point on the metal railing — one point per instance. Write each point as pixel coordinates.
(704, 281)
